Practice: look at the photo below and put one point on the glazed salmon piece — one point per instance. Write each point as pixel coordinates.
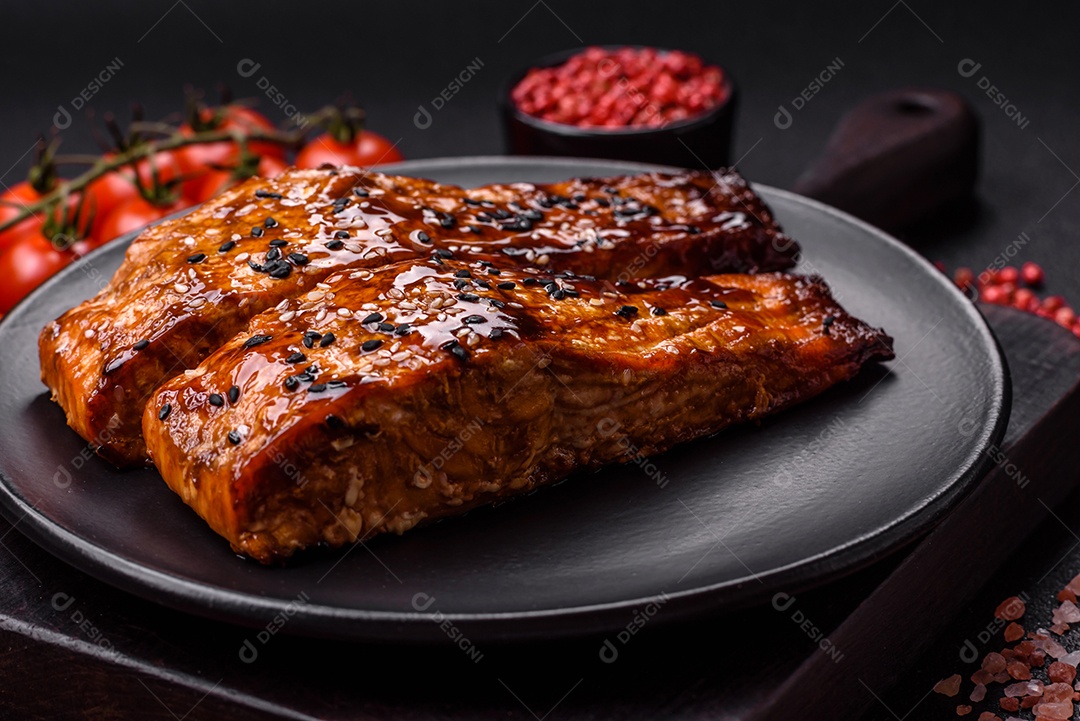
(188, 285)
(381, 400)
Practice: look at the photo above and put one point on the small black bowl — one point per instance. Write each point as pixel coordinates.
(703, 140)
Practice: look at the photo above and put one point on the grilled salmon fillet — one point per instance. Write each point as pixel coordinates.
(378, 401)
(188, 285)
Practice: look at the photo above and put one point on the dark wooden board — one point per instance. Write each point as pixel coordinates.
(95, 651)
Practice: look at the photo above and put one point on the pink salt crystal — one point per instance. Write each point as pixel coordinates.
(982, 677)
(1014, 632)
(1019, 671)
(994, 662)
(948, 686)
(1072, 659)
(978, 693)
(987, 716)
(1015, 690)
(1054, 648)
(1058, 692)
(1055, 711)
(1037, 659)
(1067, 612)
(1060, 628)
(1010, 609)
(963, 710)
(1074, 585)
(1001, 677)
(1061, 672)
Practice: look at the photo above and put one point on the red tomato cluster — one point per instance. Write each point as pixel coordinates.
(1016, 287)
(116, 206)
(629, 87)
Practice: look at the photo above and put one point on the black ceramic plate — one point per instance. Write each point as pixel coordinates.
(727, 521)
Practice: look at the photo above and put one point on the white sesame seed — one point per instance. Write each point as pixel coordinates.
(316, 295)
(344, 312)
(596, 301)
(543, 259)
(242, 257)
(89, 333)
(320, 315)
(382, 362)
(288, 315)
(197, 302)
(400, 356)
(383, 232)
(181, 288)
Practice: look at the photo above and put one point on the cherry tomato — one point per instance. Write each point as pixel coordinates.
(112, 189)
(366, 150)
(133, 214)
(19, 194)
(198, 160)
(216, 181)
(27, 263)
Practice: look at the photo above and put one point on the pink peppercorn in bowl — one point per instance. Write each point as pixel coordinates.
(625, 103)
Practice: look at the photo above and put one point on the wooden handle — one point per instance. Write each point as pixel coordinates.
(897, 157)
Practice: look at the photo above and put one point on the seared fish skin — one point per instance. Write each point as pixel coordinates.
(382, 400)
(188, 285)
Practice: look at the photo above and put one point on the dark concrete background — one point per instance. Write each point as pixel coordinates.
(395, 56)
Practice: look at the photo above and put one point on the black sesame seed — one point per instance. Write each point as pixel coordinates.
(693, 229)
(494, 271)
(530, 281)
(226, 246)
(305, 377)
(627, 311)
(447, 221)
(270, 223)
(309, 342)
(483, 217)
(718, 304)
(335, 245)
(372, 318)
(385, 327)
(603, 202)
(360, 193)
(484, 284)
(267, 194)
(140, 345)
(234, 394)
(273, 254)
(496, 333)
(443, 253)
(461, 284)
(370, 345)
(403, 329)
(474, 319)
(216, 399)
(299, 258)
(507, 285)
(278, 243)
(292, 383)
(234, 437)
(256, 232)
(532, 214)
(164, 412)
(455, 349)
(423, 237)
(558, 294)
(463, 274)
(280, 270)
(334, 422)
(327, 340)
(317, 387)
(470, 201)
(571, 293)
(826, 323)
(341, 234)
(468, 297)
(476, 229)
(496, 302)
(657, 310)
(257, 340)
(296, 357)
(501, 214)
(197, 258)
(256, 267)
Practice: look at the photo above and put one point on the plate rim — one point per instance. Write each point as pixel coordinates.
(250, 610)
